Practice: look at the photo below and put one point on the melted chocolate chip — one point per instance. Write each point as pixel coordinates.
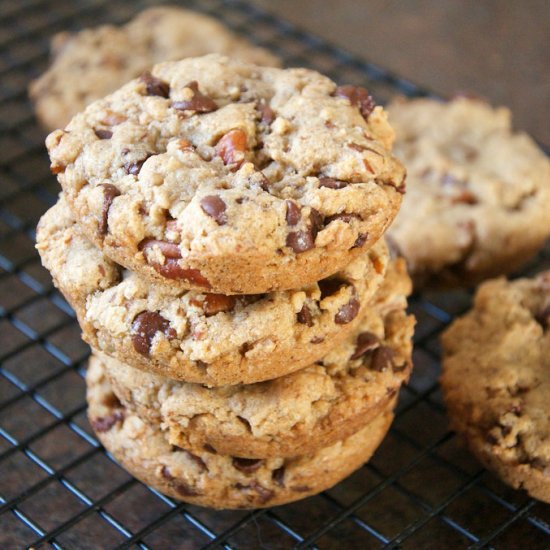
(543, 317)
(382, 359)
(168, 249)
(154, 85)
(215, 208)
(293, 212)
(247, 465)
(344, 217)
(109, 193)
(366, 341)
(304, 316)
(263, 493)
(267, 115)
(144, 327)
(105, 423)
(361, 240)
(181, 487)
(316, 221)
(103, 134)
(199, 102)
(347, 312)
(359, 97)
(133, 168)
(278, 476)
(328, 287)
(331, 183)
(300, 241)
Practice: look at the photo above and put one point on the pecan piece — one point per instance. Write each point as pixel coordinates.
(231, 148)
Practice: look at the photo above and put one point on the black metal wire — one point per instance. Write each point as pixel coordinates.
(359, 512)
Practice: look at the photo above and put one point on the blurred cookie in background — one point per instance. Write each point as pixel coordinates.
(478, 193)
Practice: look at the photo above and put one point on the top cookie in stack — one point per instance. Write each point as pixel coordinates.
(214, 174)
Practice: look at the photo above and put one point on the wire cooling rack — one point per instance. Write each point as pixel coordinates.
(58, 487)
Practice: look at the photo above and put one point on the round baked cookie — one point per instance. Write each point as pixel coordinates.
(478, 194)
(293, 415)
(89, 64)
(214, 480)
(197, 336)
(496, 380)
(217, 175)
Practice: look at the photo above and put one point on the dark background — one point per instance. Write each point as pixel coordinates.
(499, 49)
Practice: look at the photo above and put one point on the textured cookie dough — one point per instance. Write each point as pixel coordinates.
(478, 194)
(293, 415)
(496, 380)
(203, 337)
(214, 480)
(92, 63)
(218, 175)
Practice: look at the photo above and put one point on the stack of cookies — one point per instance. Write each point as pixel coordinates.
(219, 237)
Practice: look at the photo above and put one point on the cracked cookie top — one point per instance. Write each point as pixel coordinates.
(211, 173)
(496, 379)
(478, 198)
(92, 63)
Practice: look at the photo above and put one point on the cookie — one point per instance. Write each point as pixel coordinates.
(478, 197)
(293, 415)
(214, 480)
(92, 63)
(496, 380)
(213, 174)
(196, 336)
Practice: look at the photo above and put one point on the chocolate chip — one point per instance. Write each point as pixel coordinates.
(196, 459)
(168, 249)
(316, 222)
(247, 465)
(359, 97)
(361, 240)
(109, 193)
(199, 102)
(543, 317)
(215, 208)
(347, 312)
(264, 494)
(103, 134)
(278, 476)
(331, 183)
(344, 217)
(301, 488)
(145, 326)
(133, 168)
(382, 359)
(182, 488)
(300, 241)
(304, 316)
(154, 85)
(293, 212)
(231, 147)
(366, 341)
(328, 287)
(105, 423)
(217, 303)
(267, 115)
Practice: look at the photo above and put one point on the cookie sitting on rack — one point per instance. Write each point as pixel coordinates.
(92, 63)
(496, 380)
(478, 194)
